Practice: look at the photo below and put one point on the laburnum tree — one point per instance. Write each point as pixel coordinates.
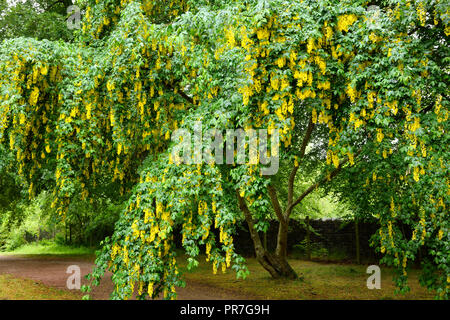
(358, 89)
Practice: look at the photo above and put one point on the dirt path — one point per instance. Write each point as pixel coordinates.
(51, 271)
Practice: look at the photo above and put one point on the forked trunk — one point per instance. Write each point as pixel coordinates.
(275, 264)
(277, 267)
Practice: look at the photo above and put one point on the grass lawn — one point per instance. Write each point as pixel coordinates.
(24, 289)
(319, 281)
(51, 249)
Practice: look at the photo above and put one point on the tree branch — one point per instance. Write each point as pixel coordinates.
(251, 226)
(182, 94)
(53, 4)
(276, 203)
(305, 142)
(329, 177)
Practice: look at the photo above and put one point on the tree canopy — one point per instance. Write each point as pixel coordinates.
(366, 87)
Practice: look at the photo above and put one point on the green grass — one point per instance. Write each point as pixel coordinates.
(331, 281)
(52, 249)
(318, 280)
(12, 288)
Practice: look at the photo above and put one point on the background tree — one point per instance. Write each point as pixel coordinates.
(40, 19)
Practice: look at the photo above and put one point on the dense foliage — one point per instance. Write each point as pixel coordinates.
(367, 87)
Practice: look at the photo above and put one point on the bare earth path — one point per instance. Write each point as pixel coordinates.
(51, 271)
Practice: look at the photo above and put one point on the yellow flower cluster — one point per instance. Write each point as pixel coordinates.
(345, 21)
(34, 96)
(421, 13)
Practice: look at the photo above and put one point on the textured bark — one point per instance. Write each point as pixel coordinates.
(281, 249)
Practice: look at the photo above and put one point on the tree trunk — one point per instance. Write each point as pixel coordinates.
(281, 250)
(358, 252)
(265, 240)
(308, 239)
(275, 264)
